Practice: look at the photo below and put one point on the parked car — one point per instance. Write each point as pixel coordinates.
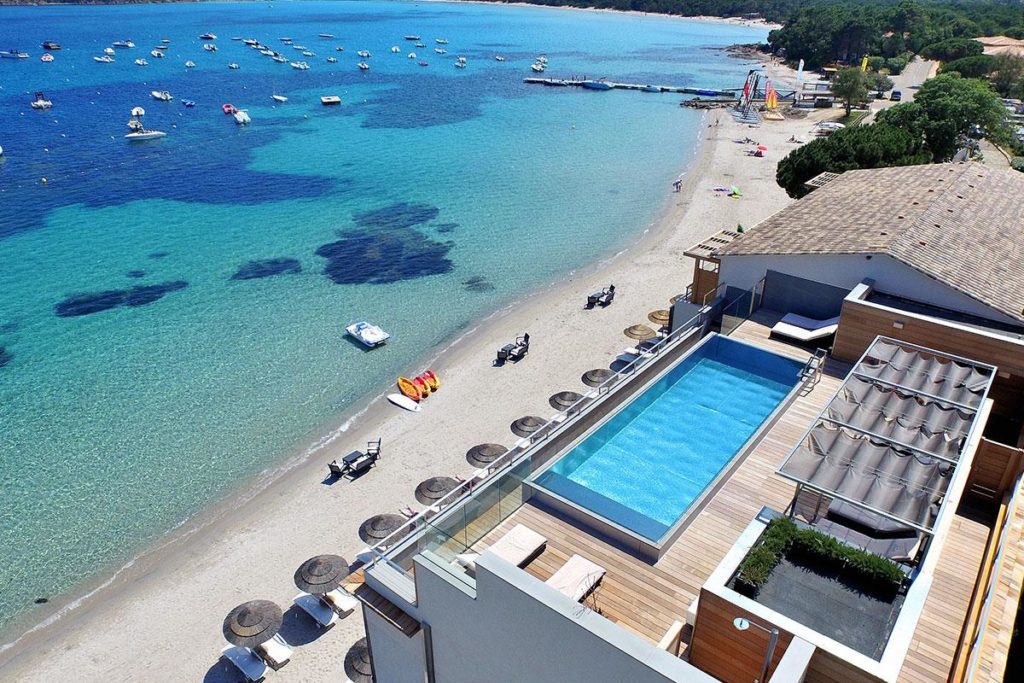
(896, 96)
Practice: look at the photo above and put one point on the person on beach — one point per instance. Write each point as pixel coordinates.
(677, 185)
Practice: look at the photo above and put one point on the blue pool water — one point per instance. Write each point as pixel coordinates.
(222, 263)
(645, 466)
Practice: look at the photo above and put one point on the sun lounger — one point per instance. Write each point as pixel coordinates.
(357, 462)
(805, 329)
(275, 652)
(324, 616)
(520, 545)
(522, 347)
(608, 296)
(343, 602)
(576, 578)
(251, 666)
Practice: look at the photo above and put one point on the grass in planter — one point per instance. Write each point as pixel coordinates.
(783, 535)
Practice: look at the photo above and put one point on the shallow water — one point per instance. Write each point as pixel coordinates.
(172, 312)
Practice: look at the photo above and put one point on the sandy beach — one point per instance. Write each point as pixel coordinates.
(160, 619)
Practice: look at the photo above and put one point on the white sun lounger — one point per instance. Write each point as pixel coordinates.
(323, 615)
(275, 652)
(251, 666)
(344, 603)
(576, 577)
(805, 329)
(516, 547)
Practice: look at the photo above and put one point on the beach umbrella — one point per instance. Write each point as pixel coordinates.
(484, 454)
(762, 148)
(527, 425)
(659, 317)
(640, 332)
(358, 664)
(434, 489)
(377, 528)
(596, 377)
(252, 623)
(564, 399)
(321, 574)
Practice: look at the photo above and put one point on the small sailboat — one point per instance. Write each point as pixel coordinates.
(242, 117)
(141, 62)
(40, 102)
(279, 98)
(190, 64)
(105, 59)
(161, 95)
(47, 57)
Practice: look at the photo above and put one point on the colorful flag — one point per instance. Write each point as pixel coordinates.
(864, 63)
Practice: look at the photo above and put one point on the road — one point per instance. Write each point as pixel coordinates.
(916, 73)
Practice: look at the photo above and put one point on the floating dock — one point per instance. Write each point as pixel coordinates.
(581, 83)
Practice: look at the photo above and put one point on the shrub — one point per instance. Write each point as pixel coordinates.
(1017, 164)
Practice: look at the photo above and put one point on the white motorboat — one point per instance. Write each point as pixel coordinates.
(368, 333)
(499, 58)
(411, 55)
(538, 67)
(165, 41)
(542, 60)
(278, 98)
(210, 47)
(104, 59)
(108, 51)
(251, 41)
(279, 59)
(233, 65)
(190, 64)
(332, 60)
(395, 49)
(242, 117)
(156, 54)
(301, 66)
(440, 50)
(363, 66)
(161, 95)
(123, 43)
(207, 36)
(326, 35)
(460, 65)
(141, 62)
(47, 57)
(441, 41)
(40, 102)
(300, 48)
(140, 135)
(365, 54)
(308, 53)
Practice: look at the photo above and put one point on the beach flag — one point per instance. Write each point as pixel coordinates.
(771, 98)
(864, 63)
(746, 86)
(800, 73)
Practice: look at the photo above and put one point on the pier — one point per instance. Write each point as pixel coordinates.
(611, 85)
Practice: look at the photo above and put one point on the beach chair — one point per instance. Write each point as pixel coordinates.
(608, 296)
(324, 616)
(274, 652)
(522, 347)
(341, 601)
(520, 545)
(804, 329)
(357, 462)
(248, 664)
(576, 578)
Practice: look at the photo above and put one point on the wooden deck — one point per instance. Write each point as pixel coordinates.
(647, 598)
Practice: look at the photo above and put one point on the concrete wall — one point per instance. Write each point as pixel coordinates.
(396, 657)
(848, 270)
(518, 629)
(792, 294)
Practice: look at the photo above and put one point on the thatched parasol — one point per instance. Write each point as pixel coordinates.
(659, 317)
(484, 454)
(527, 425)
(377, 528)
(564, 399)
(640, 332)
(596, 377)
(252, 623)
(358, 664)
(434, 489)
(321, 574)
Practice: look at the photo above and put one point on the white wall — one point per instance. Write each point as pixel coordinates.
(396, 657)
(517, 629)
(847, 270)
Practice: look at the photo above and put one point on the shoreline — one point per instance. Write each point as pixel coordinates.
(230, 552)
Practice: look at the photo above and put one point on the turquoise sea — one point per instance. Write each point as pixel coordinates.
(172, 312)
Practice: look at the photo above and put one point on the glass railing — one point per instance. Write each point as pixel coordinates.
(741, 308)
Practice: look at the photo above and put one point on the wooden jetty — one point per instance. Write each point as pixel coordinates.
(583, 83)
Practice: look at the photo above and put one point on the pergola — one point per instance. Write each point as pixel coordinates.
(706, 264)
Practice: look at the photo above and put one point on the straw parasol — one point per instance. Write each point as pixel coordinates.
(527, 425)
(434, 489)
(377, 528)
(596, 377)
(321, 574)
(252, 623)
(674, 300)
(659, 317)
(564, 399)
(640, 332)
(358, 664)
(484, 454)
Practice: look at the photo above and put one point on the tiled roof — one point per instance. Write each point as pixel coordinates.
(962, 224)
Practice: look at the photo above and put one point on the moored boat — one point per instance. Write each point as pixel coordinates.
(190, 64)
(123, 43)
(278, 98)
(141, 62)
(161, 95)
(210, 47)
(233, 65)
(40, 102)
(207, 36)
(363, 66)
(242, 117)
(140, 135)
(50, 45)
(301, 66)
(412, 37)
(596, 85)
(105, 59)
(228, 108)
(330, 99)
(332, 60)
(47, 57)
(157, 54)
(13, 54)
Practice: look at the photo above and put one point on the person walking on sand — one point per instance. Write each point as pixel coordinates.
(677, 186)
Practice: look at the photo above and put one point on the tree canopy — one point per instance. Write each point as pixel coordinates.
(851, 86)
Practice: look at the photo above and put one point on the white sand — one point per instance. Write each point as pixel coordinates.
(250, 549)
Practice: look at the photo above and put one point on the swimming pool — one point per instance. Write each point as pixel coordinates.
(644, 467)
